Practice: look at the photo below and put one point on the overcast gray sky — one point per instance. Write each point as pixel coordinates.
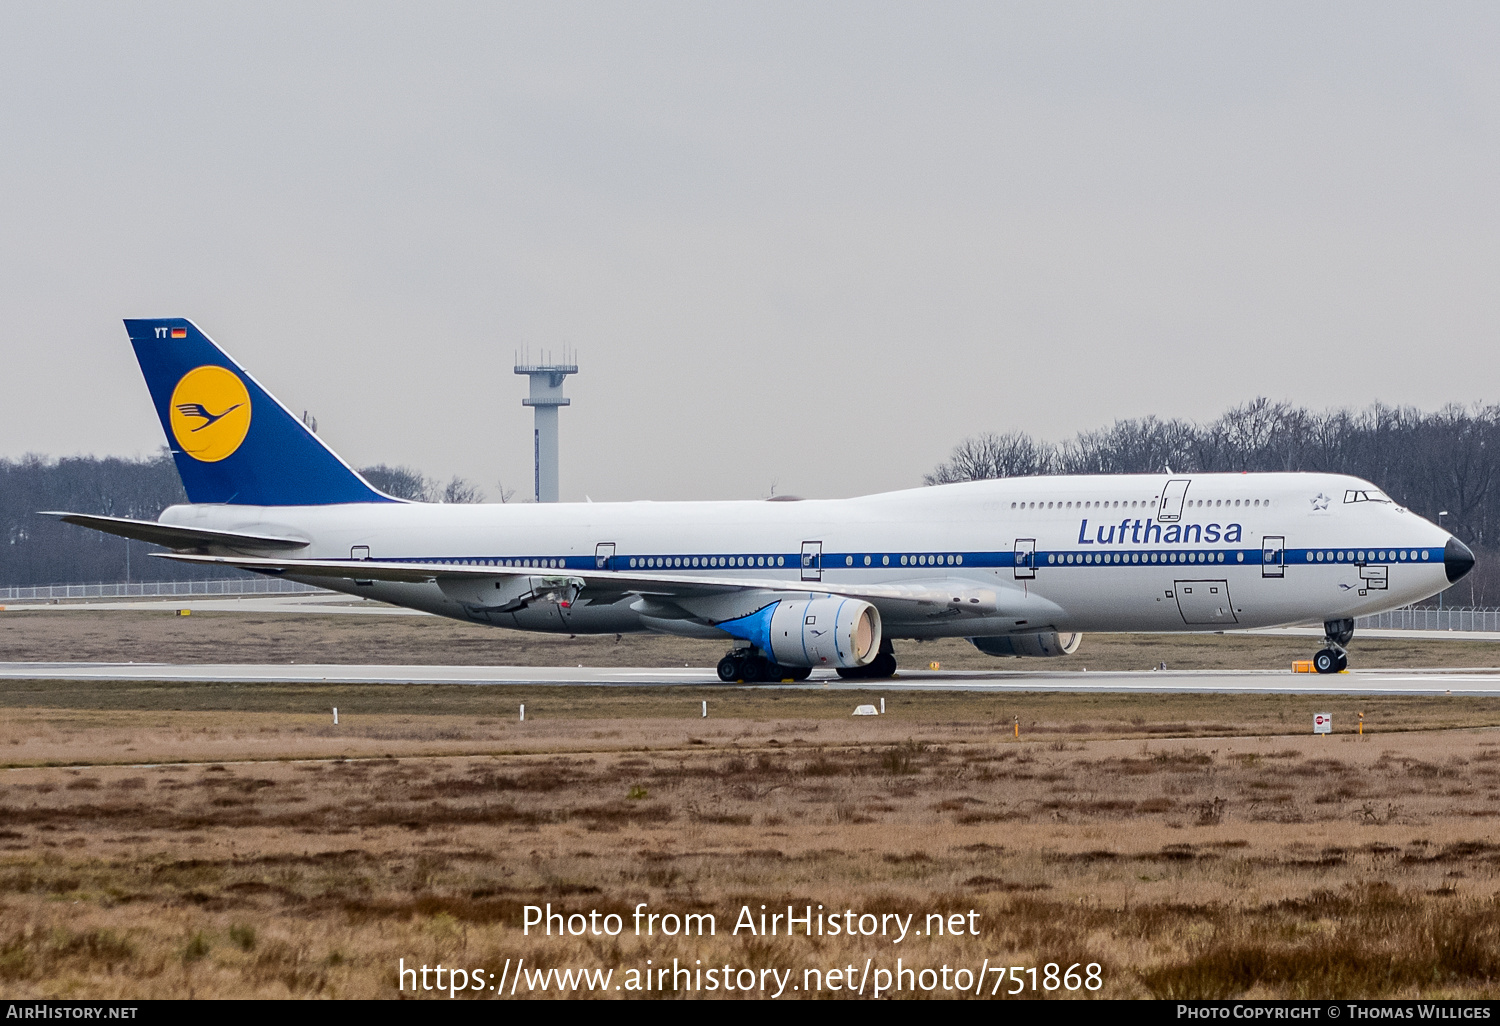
(813, 244)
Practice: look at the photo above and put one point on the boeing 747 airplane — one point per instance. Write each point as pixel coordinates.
(1019, 566)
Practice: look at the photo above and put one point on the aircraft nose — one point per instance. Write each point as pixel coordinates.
(1457, 559)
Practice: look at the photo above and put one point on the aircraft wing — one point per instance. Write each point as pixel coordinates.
(611, 585)
(174, 537)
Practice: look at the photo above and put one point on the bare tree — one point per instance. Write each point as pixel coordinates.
(406, 483)
(399, 482)
(1130, 447)
(459, 490)
(1015, 454)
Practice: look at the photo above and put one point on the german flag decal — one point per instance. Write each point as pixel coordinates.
(179, 333)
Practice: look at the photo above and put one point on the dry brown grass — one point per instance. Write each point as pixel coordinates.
(67, 722)
(210, 637)
(156, 840)
(1191, 866)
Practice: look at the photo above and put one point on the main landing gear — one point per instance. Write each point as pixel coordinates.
(749, 666)
(1335, 657)
(882, 666)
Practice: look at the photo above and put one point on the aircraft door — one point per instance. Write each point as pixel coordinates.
(1025, 558)
(1171, 500)
(604, 554)
(361, 552)
(1273, 556)
(1204, 602)
(812, 561)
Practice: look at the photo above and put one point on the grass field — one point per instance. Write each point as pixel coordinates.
(175, 840)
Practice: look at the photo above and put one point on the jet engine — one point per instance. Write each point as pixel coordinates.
(833, 632)
(1043, 643)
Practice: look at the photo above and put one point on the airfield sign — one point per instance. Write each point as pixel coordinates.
(1322, 723)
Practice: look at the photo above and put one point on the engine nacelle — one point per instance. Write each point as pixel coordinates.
(824, 632)
(1045, 643)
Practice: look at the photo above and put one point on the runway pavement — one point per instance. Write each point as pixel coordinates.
(1479, 681)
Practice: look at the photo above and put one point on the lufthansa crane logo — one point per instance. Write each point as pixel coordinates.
(210, 413)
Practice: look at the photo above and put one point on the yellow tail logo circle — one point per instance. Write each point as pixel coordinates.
(210, 413)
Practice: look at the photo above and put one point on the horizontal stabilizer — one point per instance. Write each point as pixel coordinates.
(174, 537)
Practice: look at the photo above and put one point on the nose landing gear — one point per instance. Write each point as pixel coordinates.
(1335, 657)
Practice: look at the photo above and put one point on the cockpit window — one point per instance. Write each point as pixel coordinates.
(1365, 495)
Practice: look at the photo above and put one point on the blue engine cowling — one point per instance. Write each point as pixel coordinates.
(814, 631)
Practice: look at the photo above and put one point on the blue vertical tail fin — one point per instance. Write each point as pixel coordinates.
(232, 441)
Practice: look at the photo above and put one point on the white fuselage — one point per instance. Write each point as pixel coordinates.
(1059, 553)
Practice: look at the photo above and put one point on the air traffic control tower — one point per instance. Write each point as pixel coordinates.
(546, 396)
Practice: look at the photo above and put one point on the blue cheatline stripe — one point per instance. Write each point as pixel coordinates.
(1051, 559)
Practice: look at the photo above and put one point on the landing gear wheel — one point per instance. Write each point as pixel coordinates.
(754, 669)
(1334, 658)
(880, 667)
(883, 665)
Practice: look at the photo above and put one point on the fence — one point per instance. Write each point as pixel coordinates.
(1423, 618)
(158, 589)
